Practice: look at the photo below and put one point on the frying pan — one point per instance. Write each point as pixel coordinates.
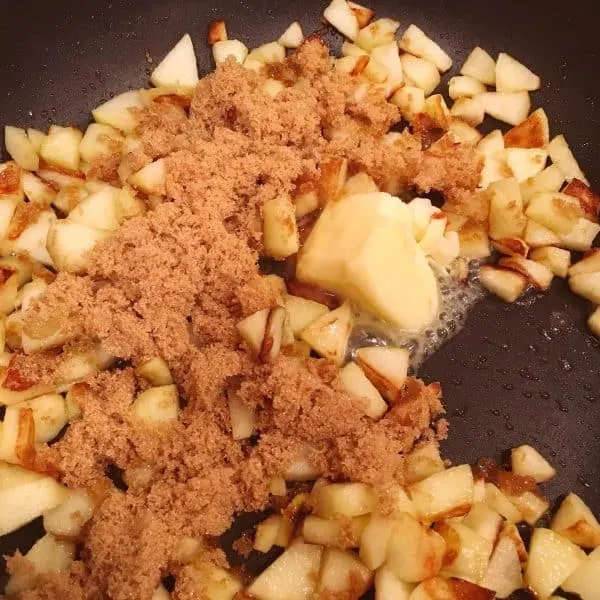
(522, 373)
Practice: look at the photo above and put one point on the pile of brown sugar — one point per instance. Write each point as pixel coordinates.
(175, 282)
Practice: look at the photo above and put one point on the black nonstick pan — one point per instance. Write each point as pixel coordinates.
(522, 373)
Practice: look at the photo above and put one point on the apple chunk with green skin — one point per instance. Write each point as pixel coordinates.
(375, 260)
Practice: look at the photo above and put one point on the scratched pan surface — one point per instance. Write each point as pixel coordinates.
(515, 374)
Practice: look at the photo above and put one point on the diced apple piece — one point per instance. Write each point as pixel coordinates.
(555, 259)
(410, 100)
(230, 48)
(436, 108)
(581, 237)
(420, 73)
(584, 580)
(503, 574)
(537, 274)
(497, 500)
(272, 340)
(389, 587)
(350, 49)
(526, 460)
(464, 86)
(178, 68)
(550, 180)
(217, 32)
(469, 110)
(280, 232)
(151, 179)
(69, 245)
(481, 66)
(593, 322)
(292, 576)
(422, 462)
(511, 531)
(484, 521)
(61, 147)
(386, 367)
(492, 143)
(49, 415)
(343, 573)
(343, 500)
(341, 533)
(36, 190)
(374, 541)
(355, 382)
(440, 588)
(117, 113)
(360, 183)
(47, 555)
(157, 405)
(339, 15)
(17, 444)
(586, 285)
(155, 371)
(552, 558)
(445, 494)
(25, 495)
(464, 132)
(467, 553)
(66, 520)
(508, 107)
(575, 521)
(388, 56)
(532, 506)
(506, 217)
(99, 140)
(513, 246)
(533, 132)
(328, 335)
(494, 169)
(302, 312)
(33, 238)
(561, 155)
(253, 328)
(100, 210)
(417, 43)
(20, 148)
(525, 163)
(537, 236)
(267, 532)
(36, 138)
(363, 14)
(415, 552)
(243, 419)
(558, 212)
(292, 37)
(588, 199)
(370, 229)
(513, 76)
(379, 32)
(474, 240)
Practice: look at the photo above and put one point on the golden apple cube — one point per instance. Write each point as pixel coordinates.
(389, 587)
(584, 580)
(375, 259)
(575, 521)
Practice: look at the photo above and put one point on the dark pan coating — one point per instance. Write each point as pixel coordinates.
(526, 373)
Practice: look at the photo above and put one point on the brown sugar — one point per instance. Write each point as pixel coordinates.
(175, 282)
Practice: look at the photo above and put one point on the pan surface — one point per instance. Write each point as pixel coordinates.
(524, 373)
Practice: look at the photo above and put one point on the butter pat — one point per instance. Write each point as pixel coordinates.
(363, 248)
